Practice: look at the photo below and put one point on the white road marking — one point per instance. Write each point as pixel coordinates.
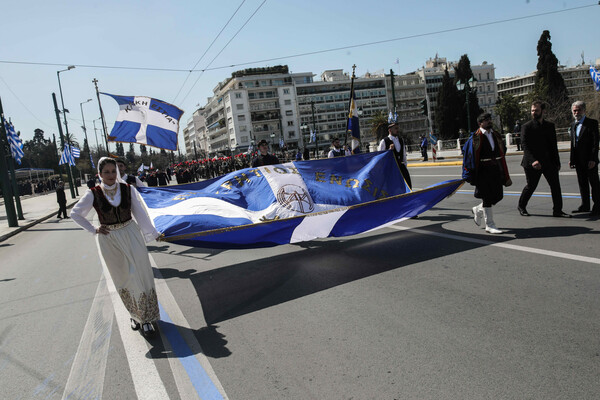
(549, 253)
(86, 379)
(144, 374)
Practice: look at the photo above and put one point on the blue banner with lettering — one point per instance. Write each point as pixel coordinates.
(290, 202)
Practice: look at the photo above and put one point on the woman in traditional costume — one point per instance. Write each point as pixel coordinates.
(121, 243)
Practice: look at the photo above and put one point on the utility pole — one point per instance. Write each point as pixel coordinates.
(312, 105)
(95, 81)
(393, 90)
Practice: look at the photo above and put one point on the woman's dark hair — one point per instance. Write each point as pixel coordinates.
(106, 161)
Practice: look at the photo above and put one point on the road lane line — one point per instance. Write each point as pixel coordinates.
(86, 378)
(550, 253)
(184, 344)
(145, 377)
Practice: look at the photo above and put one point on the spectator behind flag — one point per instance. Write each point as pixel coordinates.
(146, 121)
(15, 142)
(66, 157)
(596, 78)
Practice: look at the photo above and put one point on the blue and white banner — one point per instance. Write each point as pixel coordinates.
(146, 121)
(595, 77)
(353, 125)
(15, 142)
(313, 136)
(66, 157)
(289, 203)
(92, 162)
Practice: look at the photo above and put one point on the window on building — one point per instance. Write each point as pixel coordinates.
(229, 120)
(291, 134)
(289, 112)
(288, 102)
(241, 117)
(244, 139)
(243, 128)
(286, 91)
(290, 123)
(228, 110)
(239, 106)
(238, 95)
(488, 76)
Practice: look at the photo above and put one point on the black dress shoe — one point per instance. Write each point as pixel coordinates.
(561, 214)
(134, 324)
(595, 213)
(523, 211)
(148, 329)
(581, 210)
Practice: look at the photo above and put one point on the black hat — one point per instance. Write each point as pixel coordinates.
(263, 142)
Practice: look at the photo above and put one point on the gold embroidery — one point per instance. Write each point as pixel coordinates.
(145, 309)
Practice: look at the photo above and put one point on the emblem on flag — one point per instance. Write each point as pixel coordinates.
(146, 121)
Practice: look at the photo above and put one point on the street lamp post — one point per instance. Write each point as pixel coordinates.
(64, 111)
(96, 133)
(85, 130)
(467, 89)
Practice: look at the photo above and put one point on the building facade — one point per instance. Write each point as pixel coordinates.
(323, 106)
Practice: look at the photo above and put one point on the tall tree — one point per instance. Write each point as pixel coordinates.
(379, 125)
(39, 152)
(509, 109)
(130, 154)
(447, 110)
(463, 73)
(549, 84)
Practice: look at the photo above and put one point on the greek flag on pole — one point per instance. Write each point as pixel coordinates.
(146, 121)
(75, 151)
(313, 136)
(595, 77)
(15, 142)
(92, 161)
(66, 156)
(353, 127)
(289, 203)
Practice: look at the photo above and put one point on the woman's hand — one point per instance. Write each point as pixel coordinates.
(103, 230)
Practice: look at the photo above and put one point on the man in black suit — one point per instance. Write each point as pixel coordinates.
(584, 158)
(540, 157)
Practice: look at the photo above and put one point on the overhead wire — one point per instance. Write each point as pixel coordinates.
(224, 47)
(306, 53)
(206, 51)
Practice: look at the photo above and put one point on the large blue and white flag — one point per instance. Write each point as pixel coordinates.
(146, 121)
(66, 157)
(595, 77)
(15, 142)
(353, 126)
(290, 203)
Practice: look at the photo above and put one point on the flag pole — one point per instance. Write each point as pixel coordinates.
(11, 215)
(62, 139)
(95, 81)
(350, 104)
(11, 166)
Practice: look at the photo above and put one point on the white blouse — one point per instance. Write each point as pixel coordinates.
(138, 210)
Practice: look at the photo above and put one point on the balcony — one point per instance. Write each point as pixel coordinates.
(265, 116)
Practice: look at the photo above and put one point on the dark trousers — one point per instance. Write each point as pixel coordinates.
(405, 174)
(62, 209)
(533, 178)
(586, 178)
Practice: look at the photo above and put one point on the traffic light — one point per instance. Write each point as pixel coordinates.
(423, 104)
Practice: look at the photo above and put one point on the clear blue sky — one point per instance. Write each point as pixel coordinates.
(174, 35)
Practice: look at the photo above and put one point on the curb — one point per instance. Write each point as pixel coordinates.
(30, 224)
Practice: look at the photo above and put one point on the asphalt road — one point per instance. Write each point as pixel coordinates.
(430, 308)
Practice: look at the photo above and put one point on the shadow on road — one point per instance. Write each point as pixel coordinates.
(213, 342)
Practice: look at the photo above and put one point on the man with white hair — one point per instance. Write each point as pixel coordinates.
(584, 158)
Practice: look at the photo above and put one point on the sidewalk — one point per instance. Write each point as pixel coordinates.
(36, 208)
